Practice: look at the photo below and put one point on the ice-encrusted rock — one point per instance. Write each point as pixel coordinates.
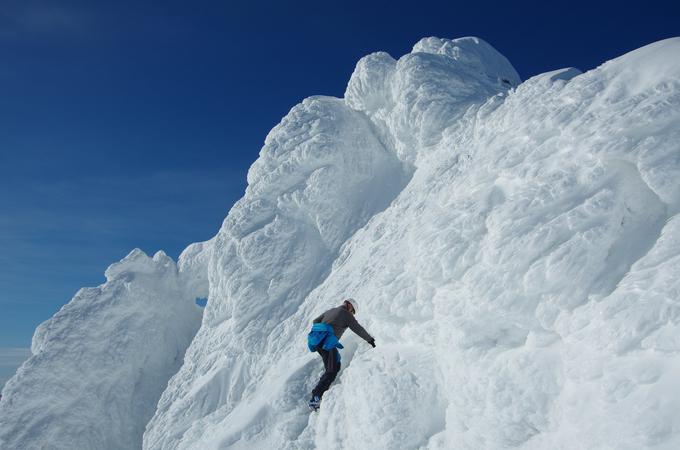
(100, 364)
(412, 100)
(321, 175)
(532, 257)
(502, 282)
(514, 248)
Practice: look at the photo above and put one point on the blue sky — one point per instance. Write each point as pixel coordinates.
(132, 124)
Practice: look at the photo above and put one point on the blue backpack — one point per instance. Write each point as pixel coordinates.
(322, 333)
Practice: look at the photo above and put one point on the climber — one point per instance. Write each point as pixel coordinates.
(327, 329)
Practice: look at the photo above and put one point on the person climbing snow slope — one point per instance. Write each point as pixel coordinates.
(327, 329)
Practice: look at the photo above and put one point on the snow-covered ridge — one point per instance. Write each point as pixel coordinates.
(101, 363)
(412, 100)
(514, 247)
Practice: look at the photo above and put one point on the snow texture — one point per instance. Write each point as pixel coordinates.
(514, 247)
(100, 364)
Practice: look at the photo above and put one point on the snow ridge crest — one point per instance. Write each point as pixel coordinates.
(514, 240)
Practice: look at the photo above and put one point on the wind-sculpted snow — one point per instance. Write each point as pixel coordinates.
(411, 101)
(321, 175)
(514, 248)
(536, 266)
(101, 363)
(522, 285)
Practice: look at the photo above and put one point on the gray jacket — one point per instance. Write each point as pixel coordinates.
(340, 319)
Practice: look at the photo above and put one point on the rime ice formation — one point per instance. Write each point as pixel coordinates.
(101, 363)
(514, 247)
(321, 176)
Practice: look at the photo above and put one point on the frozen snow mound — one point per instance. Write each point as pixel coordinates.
(514, 247)
(412, 100)
(520, 275)
(101, 363)
(321, 175)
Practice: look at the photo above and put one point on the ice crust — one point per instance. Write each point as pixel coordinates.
(514, 247)
(100, 364)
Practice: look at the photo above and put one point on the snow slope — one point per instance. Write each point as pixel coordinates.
(521, 285)
(514, 247)
(101, 363)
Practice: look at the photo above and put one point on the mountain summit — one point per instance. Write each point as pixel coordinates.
(514, 247)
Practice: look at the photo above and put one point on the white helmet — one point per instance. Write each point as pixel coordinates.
(353, 302)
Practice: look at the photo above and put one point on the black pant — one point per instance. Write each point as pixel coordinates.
(332, 365)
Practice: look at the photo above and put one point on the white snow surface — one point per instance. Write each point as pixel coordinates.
(100, 364)
(514, 247)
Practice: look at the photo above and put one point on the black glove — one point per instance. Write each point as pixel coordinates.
(372, 342)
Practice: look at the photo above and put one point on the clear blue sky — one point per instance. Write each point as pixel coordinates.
(132, 124)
